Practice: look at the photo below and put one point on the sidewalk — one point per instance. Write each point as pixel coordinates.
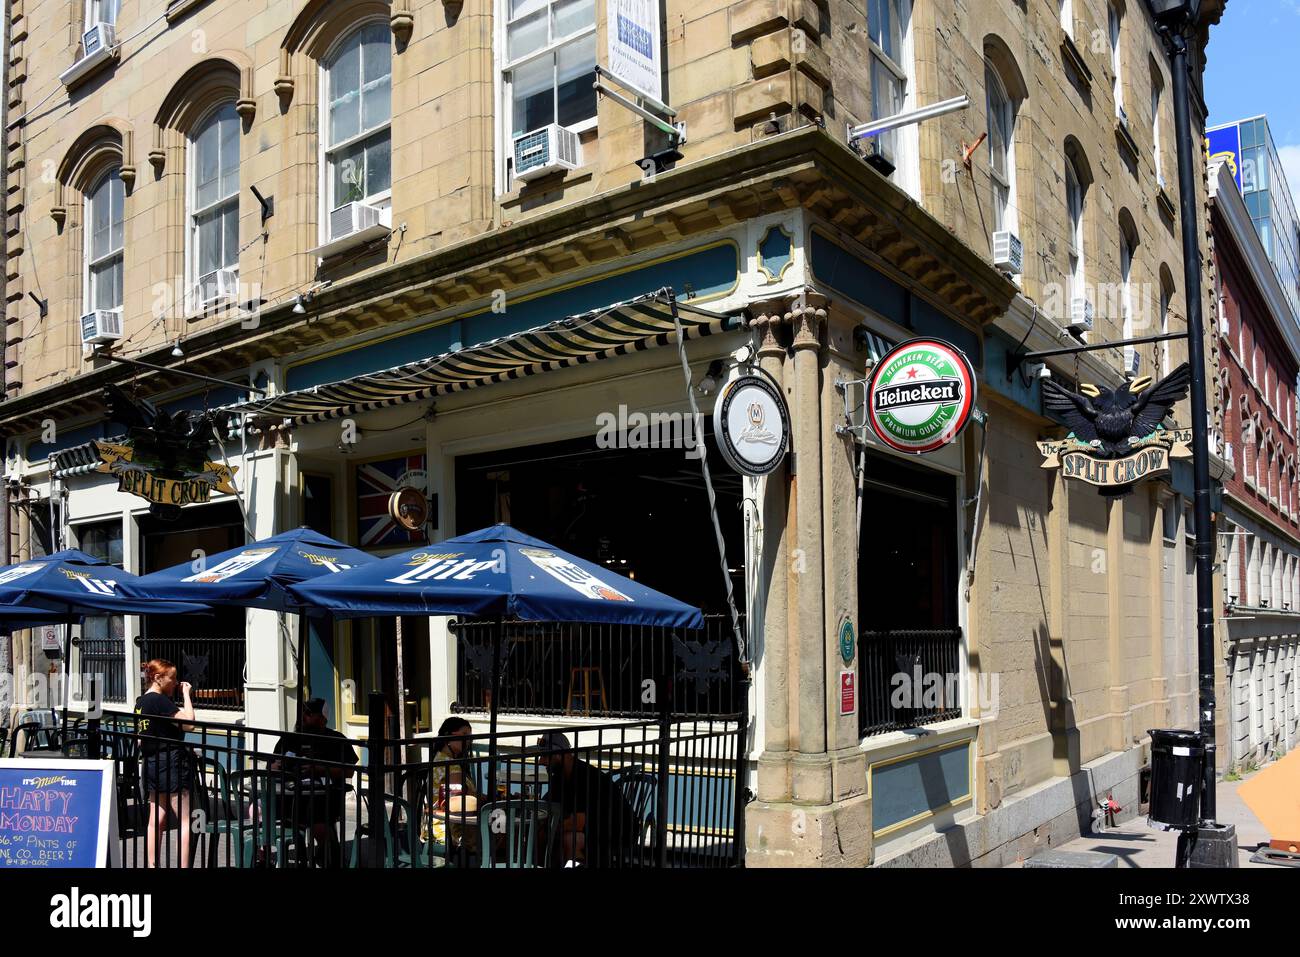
(1137, 844)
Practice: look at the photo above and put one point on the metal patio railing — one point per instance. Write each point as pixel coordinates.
(592, 670)
(660, 793)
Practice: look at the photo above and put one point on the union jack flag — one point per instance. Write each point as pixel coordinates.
(375, 483)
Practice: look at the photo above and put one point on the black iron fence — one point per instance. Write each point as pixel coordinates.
(597, 670)
(908, 678)
(103, 661)
(659, 793)
(214, 666)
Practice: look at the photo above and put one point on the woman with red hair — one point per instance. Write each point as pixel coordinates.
(168, 765)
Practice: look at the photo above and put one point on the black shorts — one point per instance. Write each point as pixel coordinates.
(170, 771)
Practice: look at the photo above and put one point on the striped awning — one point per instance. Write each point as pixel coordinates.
(624, 327)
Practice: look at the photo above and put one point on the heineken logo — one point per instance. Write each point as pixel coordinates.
(921, 395)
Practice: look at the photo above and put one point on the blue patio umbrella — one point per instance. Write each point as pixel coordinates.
(68, 585)
(500, 573)
(496, 572)
(257, 575)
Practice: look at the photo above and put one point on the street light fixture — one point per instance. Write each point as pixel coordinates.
(1211, 844)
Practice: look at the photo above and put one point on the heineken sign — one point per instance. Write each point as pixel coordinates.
(921, 395)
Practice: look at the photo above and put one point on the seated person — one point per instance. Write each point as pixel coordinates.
(303, 752)
(597, 825)
(452, 786)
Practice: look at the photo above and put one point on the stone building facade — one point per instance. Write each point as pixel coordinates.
(1064, 619)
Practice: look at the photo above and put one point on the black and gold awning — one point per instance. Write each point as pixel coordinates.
(624, 327)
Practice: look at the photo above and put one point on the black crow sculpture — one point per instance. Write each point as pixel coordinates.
(1110, 420)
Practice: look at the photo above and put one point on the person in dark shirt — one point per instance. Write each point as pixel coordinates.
(319, 758)
(168, 764)
(597, 825)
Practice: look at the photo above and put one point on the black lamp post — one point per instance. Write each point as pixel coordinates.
(1211, 844)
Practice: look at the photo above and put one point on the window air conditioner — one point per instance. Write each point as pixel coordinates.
(101, 325)
(354, 224)
(545, 151)
(1008, 252)
(218, 284)
(1132, 361)
(98, 44)
(1080, 315)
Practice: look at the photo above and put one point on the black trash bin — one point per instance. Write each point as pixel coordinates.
(1177, 774)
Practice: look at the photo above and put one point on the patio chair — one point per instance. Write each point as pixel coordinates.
(77, 748)
(212, 796)
(639, 788)
(411, 850)
(529, 835)
(259, 827)
(36, 737)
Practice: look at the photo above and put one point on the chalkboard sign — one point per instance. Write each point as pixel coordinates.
(57, 812)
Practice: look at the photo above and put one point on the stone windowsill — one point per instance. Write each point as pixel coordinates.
(177, 9)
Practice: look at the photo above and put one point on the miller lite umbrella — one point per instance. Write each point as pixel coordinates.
(498, 573)
(67, 586)
(257, 575)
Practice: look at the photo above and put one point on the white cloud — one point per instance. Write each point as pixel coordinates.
(1290, 157)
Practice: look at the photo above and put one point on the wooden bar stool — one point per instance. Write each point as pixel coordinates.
(581, 681)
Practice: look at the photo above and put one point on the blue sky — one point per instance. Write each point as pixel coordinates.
(1252, 68)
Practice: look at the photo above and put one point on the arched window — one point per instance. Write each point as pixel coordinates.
(1002, 162)
(214, 205)
(1127, 249)
(358, 112)
(1166, 298)
(1157, 98)
(105, 242)
(1075, 185)
(1115, 24)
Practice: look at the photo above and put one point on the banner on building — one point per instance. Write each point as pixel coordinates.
(634, 45)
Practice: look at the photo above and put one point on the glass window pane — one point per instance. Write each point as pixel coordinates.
(106, 284)
(526, 36)
(207, 164)
(208, 238)
(379, 171)
(117, 200)
(376, 52)
(230, 239)
(348, 174)
(885, 27)
(376, 103)
(521, 8)
(344, 91)
(533, 94)
(570, 16)
(576, 96)
(229, 150)
(99, 220)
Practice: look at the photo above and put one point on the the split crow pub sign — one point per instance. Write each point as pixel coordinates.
(1116, 438)
(163, 458)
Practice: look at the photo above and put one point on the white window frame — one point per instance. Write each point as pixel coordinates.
(1115, 33)
(88, 294)
(1126, 251)
(192, 213)
(1004, 215)
(1067, 17)
(1166, 347)
(504, 92)
(95, 13)
(384, 198)
(906, 138)
(1157, 98)
(1075, 213)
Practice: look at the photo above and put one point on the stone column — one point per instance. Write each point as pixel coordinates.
(774, 763)
(1117, 700)
(807, 316)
